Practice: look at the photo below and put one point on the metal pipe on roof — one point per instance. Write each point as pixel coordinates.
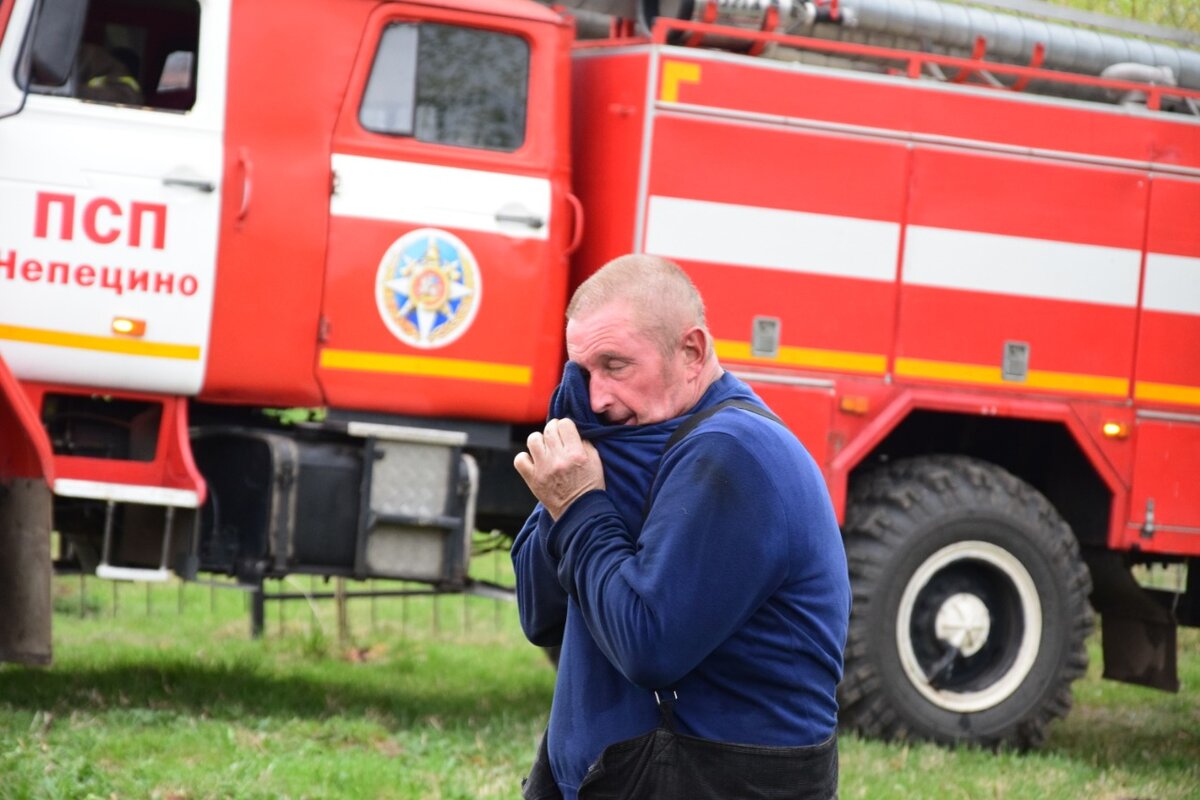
(925, 25)
(934, 26)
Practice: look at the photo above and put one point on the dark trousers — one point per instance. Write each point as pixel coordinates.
(663, 765)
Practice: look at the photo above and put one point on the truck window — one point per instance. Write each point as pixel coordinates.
(133, 52)
(448, 85)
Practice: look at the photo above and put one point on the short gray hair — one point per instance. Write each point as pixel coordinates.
(665, 302)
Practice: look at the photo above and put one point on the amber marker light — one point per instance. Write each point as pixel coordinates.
(854, 404)
(129, 327)
(1116, 430)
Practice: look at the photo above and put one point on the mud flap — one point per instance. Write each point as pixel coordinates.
(1139, 634)
(25, 571)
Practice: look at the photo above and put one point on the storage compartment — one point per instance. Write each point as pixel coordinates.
(382, 501)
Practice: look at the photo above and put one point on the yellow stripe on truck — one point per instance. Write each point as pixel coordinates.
(1167, 393)
(836, 360)
(426, 366)
(107, 344)
(991, 376)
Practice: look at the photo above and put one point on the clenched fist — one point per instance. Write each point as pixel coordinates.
(560, 467)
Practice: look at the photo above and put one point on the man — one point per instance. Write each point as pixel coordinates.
(712, 568)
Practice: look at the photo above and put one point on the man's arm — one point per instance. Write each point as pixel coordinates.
(713, 548)
(559, 467)
(541, 601)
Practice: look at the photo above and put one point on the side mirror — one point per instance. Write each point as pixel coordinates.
(57, 31)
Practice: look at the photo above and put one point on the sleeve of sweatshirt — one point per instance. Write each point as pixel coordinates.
(712, 549)
(541, 601)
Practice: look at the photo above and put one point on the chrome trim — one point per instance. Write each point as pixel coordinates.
(786, 380)
(1169, 416)
(1166, 528)
(643, 190)
(402, 433)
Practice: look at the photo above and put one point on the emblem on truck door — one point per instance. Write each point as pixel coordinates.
(428, 288)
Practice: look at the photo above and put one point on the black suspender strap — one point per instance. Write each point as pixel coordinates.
(666, 704)
(691, 422)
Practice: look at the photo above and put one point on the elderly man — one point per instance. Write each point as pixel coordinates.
(685, 553)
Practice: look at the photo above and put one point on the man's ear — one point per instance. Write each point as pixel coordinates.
(694, 349)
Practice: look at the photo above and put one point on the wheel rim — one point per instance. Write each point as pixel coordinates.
(968, 626)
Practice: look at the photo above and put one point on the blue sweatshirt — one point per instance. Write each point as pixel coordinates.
(733, 591)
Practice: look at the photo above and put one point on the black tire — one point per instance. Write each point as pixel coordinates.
(956, 551)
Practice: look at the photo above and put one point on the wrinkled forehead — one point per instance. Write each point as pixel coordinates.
(610, 329)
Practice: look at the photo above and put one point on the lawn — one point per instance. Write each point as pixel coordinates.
(160, 693)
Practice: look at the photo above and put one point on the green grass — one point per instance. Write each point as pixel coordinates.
(168, 698)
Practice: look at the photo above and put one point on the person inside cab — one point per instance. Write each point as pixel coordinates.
(107, 76)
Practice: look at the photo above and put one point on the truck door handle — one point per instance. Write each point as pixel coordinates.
(247, 181)
(577, 234)
(527, 219)
(199, 184)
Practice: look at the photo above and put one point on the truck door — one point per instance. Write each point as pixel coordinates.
(449, 217)
(1164, 512)
(109, 183)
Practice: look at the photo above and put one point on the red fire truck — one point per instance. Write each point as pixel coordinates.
(957, 252)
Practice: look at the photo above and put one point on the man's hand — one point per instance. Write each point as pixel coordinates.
(560, 467)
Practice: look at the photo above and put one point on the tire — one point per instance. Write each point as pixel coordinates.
(970, 606)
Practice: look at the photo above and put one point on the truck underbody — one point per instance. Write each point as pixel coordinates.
(965, 279)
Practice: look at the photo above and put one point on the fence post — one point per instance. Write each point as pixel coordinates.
(374, 620)
(343, 625)
(257, 610)
(495, 579)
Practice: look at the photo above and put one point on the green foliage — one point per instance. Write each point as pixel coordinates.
(160, 693)
(1182, 14)
(295, 416)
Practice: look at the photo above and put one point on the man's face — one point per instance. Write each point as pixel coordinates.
(629, 379)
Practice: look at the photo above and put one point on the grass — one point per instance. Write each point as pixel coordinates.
(168, 698)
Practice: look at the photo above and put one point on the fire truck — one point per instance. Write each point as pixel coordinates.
(957, 251)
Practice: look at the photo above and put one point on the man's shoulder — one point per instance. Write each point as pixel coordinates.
(736, 426)
(732, 416)
(762, 437)
(751, 427)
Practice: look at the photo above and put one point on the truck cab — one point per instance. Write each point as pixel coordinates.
(204, 215)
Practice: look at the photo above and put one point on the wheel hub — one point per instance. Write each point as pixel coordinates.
(963, 622)
(968, 626)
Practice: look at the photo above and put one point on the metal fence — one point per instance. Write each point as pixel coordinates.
(333, 608)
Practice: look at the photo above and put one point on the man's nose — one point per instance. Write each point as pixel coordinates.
(599, 395)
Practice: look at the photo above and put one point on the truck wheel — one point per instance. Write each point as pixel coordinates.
(970, 605)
